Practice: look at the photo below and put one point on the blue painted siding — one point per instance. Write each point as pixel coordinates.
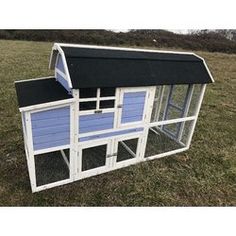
(110, 134)
(133, 107)
(63, 82)
(96, 122)
(60, 64)
(51, 128)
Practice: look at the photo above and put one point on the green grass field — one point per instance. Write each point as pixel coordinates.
(205, 175)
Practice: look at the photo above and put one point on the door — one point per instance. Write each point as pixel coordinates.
(126, 150)
(93, 158)
(132, 106)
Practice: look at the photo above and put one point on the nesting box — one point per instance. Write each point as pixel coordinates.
(106, 108)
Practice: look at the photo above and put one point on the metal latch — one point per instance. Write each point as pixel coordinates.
(98, 111)
(119, 106)
(112, 155)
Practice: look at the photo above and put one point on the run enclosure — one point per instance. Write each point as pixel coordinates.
(72, 131)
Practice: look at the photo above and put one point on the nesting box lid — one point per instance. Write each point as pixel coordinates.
(39, 91)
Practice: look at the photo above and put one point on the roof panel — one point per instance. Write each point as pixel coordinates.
(94, 67)
(39, 91)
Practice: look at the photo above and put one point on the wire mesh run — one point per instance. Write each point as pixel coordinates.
(52, 167)
(127, 149)
(167, 138)
(175, 101)
(94, 157)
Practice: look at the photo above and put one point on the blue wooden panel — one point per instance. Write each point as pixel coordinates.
(51, 128)
(96, 116)
(134, 94)
(51, 144)
(134, 100)
(50, 122)
(51, 137)
(131, 119)
(110, 134)
(59, 112)
(133, 107)
(63, 82)
(60, 64)
(96, 128)
(126, 113)
(96, 122)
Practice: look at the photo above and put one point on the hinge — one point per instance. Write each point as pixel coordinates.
(119, 106)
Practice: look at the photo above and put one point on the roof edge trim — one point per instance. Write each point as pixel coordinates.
(206, 66)
(57, 47)
(121, 48)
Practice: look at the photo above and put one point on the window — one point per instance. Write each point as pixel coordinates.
(96, 98)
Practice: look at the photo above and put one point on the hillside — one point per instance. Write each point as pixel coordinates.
(211, 41)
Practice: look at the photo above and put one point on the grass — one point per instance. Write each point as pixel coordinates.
(205, 175)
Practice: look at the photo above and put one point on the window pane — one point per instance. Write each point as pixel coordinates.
(107, 104)
(88, 93)
(107, 92)
(87, 106)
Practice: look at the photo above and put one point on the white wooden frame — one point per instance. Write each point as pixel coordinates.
(122, 91)
(95, 171)
(76, 147)
(128, 162)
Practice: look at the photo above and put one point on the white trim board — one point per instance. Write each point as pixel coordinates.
(121, 48)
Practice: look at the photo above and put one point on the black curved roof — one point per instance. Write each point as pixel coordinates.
(98, 67)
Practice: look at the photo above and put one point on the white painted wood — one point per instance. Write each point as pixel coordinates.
(53, 149)
(47, 105)
(197, 110)
(60, 73)
(159, 103)
(65, 159)
(58, 47)
(205, 64)
(111, 142)
(51, 185)
(121, 98)
(122, 48)
(96, 99)
(94, 171)
(31, 161)
(40, 78)
(74, 151)
(186, 109)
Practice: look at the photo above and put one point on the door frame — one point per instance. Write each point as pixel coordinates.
(121, 92)
(115, 164)
(79, 174)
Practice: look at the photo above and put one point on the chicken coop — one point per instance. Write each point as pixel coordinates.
(106, 108)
